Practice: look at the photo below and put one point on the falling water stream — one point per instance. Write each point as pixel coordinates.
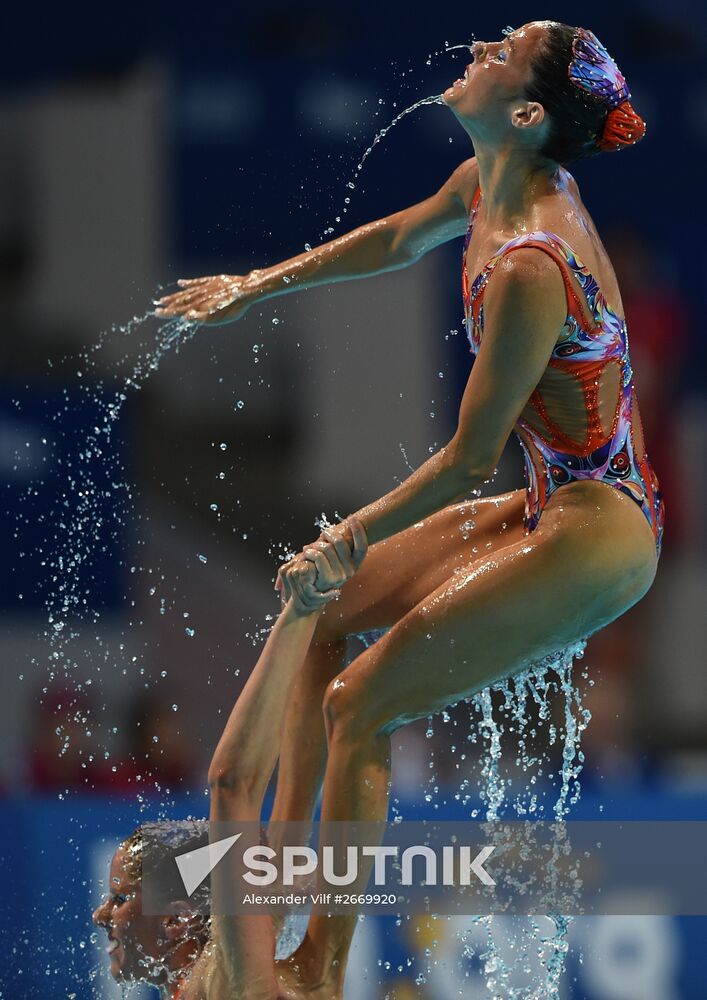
(514, 779)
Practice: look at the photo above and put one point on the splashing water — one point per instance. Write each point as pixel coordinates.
(432, 99)
(79, 527)
(521, 958)
(533, 967)
(351, 184)
(534, 687)
(91, 511)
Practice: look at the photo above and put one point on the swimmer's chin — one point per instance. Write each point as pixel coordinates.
(453, 91)
(117, 972)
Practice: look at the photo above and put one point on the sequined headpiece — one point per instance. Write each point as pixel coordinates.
(592, 69)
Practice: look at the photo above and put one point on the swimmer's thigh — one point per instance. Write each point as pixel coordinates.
(400, 571)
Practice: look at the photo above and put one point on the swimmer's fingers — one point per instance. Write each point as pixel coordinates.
(281, 583)
(353, 552)
(330, 569)
(286, 574)
(335, 546)
(180, 300)
(360, 541)
(218, 299)
(210, 315)
(193, 281)
(189, 286)
(182, 303)
(343, 549)
(212, 297)
(177, 300)
(305, 597)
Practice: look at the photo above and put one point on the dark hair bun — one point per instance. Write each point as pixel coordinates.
(623, 127)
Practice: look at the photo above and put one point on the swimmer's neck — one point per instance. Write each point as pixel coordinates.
(512, 182)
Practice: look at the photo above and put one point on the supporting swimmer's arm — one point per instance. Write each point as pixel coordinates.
(387, 244)
(244, 760)
(247, 752)
(238, 776)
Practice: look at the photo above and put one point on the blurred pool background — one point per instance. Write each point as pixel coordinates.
(141, 146)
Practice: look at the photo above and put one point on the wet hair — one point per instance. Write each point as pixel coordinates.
(149, 851)
(578, 118)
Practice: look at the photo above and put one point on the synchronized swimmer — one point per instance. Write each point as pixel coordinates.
(561, 559)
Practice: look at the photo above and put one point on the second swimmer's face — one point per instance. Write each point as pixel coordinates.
(138, 945)
(497, 76)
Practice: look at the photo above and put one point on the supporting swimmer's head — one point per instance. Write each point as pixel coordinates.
(547, 87)
(151, 948)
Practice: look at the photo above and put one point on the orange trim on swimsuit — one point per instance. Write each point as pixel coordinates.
(594, 338)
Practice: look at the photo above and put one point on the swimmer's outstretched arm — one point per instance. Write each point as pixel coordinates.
(247, 752)
(387, 244)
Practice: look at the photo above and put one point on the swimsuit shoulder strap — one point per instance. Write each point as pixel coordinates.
(581, 308)
(472, 217)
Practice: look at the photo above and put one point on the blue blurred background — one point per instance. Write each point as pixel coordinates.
(139, 146)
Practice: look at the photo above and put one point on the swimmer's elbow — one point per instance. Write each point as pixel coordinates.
(228, 778)
(470, 467)
(233, 796)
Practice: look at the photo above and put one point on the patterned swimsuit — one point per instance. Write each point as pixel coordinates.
(572, 427)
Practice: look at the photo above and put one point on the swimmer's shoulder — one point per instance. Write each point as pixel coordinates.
(464, 182)
(207, 981)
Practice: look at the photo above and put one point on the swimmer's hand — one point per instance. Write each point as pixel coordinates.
(221, 298)
(313, 578)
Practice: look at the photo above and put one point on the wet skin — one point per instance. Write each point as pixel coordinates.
(145, 944)
(460, 619)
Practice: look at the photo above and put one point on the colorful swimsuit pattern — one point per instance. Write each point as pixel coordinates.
(588, 369)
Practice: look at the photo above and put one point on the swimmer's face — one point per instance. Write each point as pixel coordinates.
(491, 95)
(138, 945)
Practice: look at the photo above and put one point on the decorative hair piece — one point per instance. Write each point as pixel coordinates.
(592, 69)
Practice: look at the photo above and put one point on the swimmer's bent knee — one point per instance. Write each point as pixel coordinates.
(346, 714)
